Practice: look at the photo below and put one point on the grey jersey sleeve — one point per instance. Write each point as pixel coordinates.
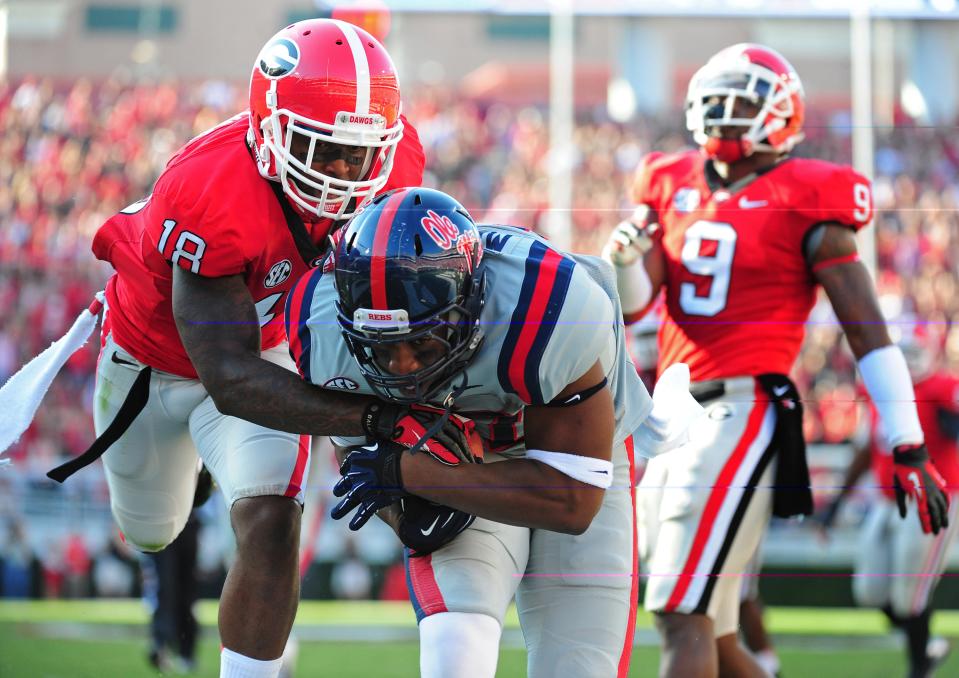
(584, 333)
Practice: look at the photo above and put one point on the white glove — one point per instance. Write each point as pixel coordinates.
(627, 243)
(674, 412)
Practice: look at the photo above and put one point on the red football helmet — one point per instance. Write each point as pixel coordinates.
(330, 89)
(762, 77)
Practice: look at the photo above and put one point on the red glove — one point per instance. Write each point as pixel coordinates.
(916, 477)
(456, 442)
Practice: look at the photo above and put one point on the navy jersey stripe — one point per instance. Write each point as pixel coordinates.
(542, 293)
(547, 325)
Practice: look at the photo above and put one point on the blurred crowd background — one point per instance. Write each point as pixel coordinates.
(73, 152)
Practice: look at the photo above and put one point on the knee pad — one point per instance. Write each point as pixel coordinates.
(149, 531)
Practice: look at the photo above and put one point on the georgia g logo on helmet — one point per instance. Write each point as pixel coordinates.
(278, 58)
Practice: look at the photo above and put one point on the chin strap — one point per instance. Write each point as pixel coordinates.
(440, 422)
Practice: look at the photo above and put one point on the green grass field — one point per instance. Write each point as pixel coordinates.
(61, 639)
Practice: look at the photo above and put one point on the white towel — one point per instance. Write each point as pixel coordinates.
(20, 397)
(674, 412)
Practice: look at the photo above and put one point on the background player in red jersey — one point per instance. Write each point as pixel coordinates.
(887, 545)
(739, 236)
(193, 330)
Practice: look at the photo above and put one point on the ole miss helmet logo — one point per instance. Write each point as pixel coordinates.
(440, 229)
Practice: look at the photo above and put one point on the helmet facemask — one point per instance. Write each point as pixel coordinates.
(456, 328)
(714, 101)
(314, 192)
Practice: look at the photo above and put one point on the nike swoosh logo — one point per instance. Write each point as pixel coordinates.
(572, 399)
(120, 361)
(780, 391)
(746, 204)
(914, 479)
(605, 473)
(428, 531)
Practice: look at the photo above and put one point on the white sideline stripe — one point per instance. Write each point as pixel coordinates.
(720, 527)
(362, 67)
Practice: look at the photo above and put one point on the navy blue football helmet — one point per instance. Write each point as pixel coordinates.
(408, 269)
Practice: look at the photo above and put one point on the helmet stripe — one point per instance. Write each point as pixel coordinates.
(381, 239)
(355, 42)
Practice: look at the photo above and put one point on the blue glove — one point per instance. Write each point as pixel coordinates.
(370, 480)
(425, 526)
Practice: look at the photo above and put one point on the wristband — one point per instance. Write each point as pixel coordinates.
(379, 420)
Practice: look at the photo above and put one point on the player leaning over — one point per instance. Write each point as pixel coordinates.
(740, 235)
(193, 325)
(493, 323)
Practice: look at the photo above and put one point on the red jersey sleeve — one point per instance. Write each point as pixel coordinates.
(410, 160)
(645, 189)
(196, 235)
(834, 193)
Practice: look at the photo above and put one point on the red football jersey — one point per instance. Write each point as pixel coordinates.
(213, 214)
(738, 289)
(935, 393)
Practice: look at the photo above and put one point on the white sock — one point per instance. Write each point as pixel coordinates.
(768, 660)
(459, 645)
(235, 665)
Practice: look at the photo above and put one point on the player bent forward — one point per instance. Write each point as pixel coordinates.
(493, 325)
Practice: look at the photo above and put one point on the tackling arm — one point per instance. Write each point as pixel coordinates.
(523, 491)
(218, 325)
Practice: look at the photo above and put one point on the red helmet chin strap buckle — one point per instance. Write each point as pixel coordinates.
(725, 150)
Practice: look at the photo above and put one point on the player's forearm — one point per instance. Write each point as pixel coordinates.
(267, 394)
(858, 311)
(220, 330)
(515, 492)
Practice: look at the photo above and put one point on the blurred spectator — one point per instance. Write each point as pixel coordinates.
(17, 563)
(76, 567)
(170, 590)
(351, 578)
(115, 570)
